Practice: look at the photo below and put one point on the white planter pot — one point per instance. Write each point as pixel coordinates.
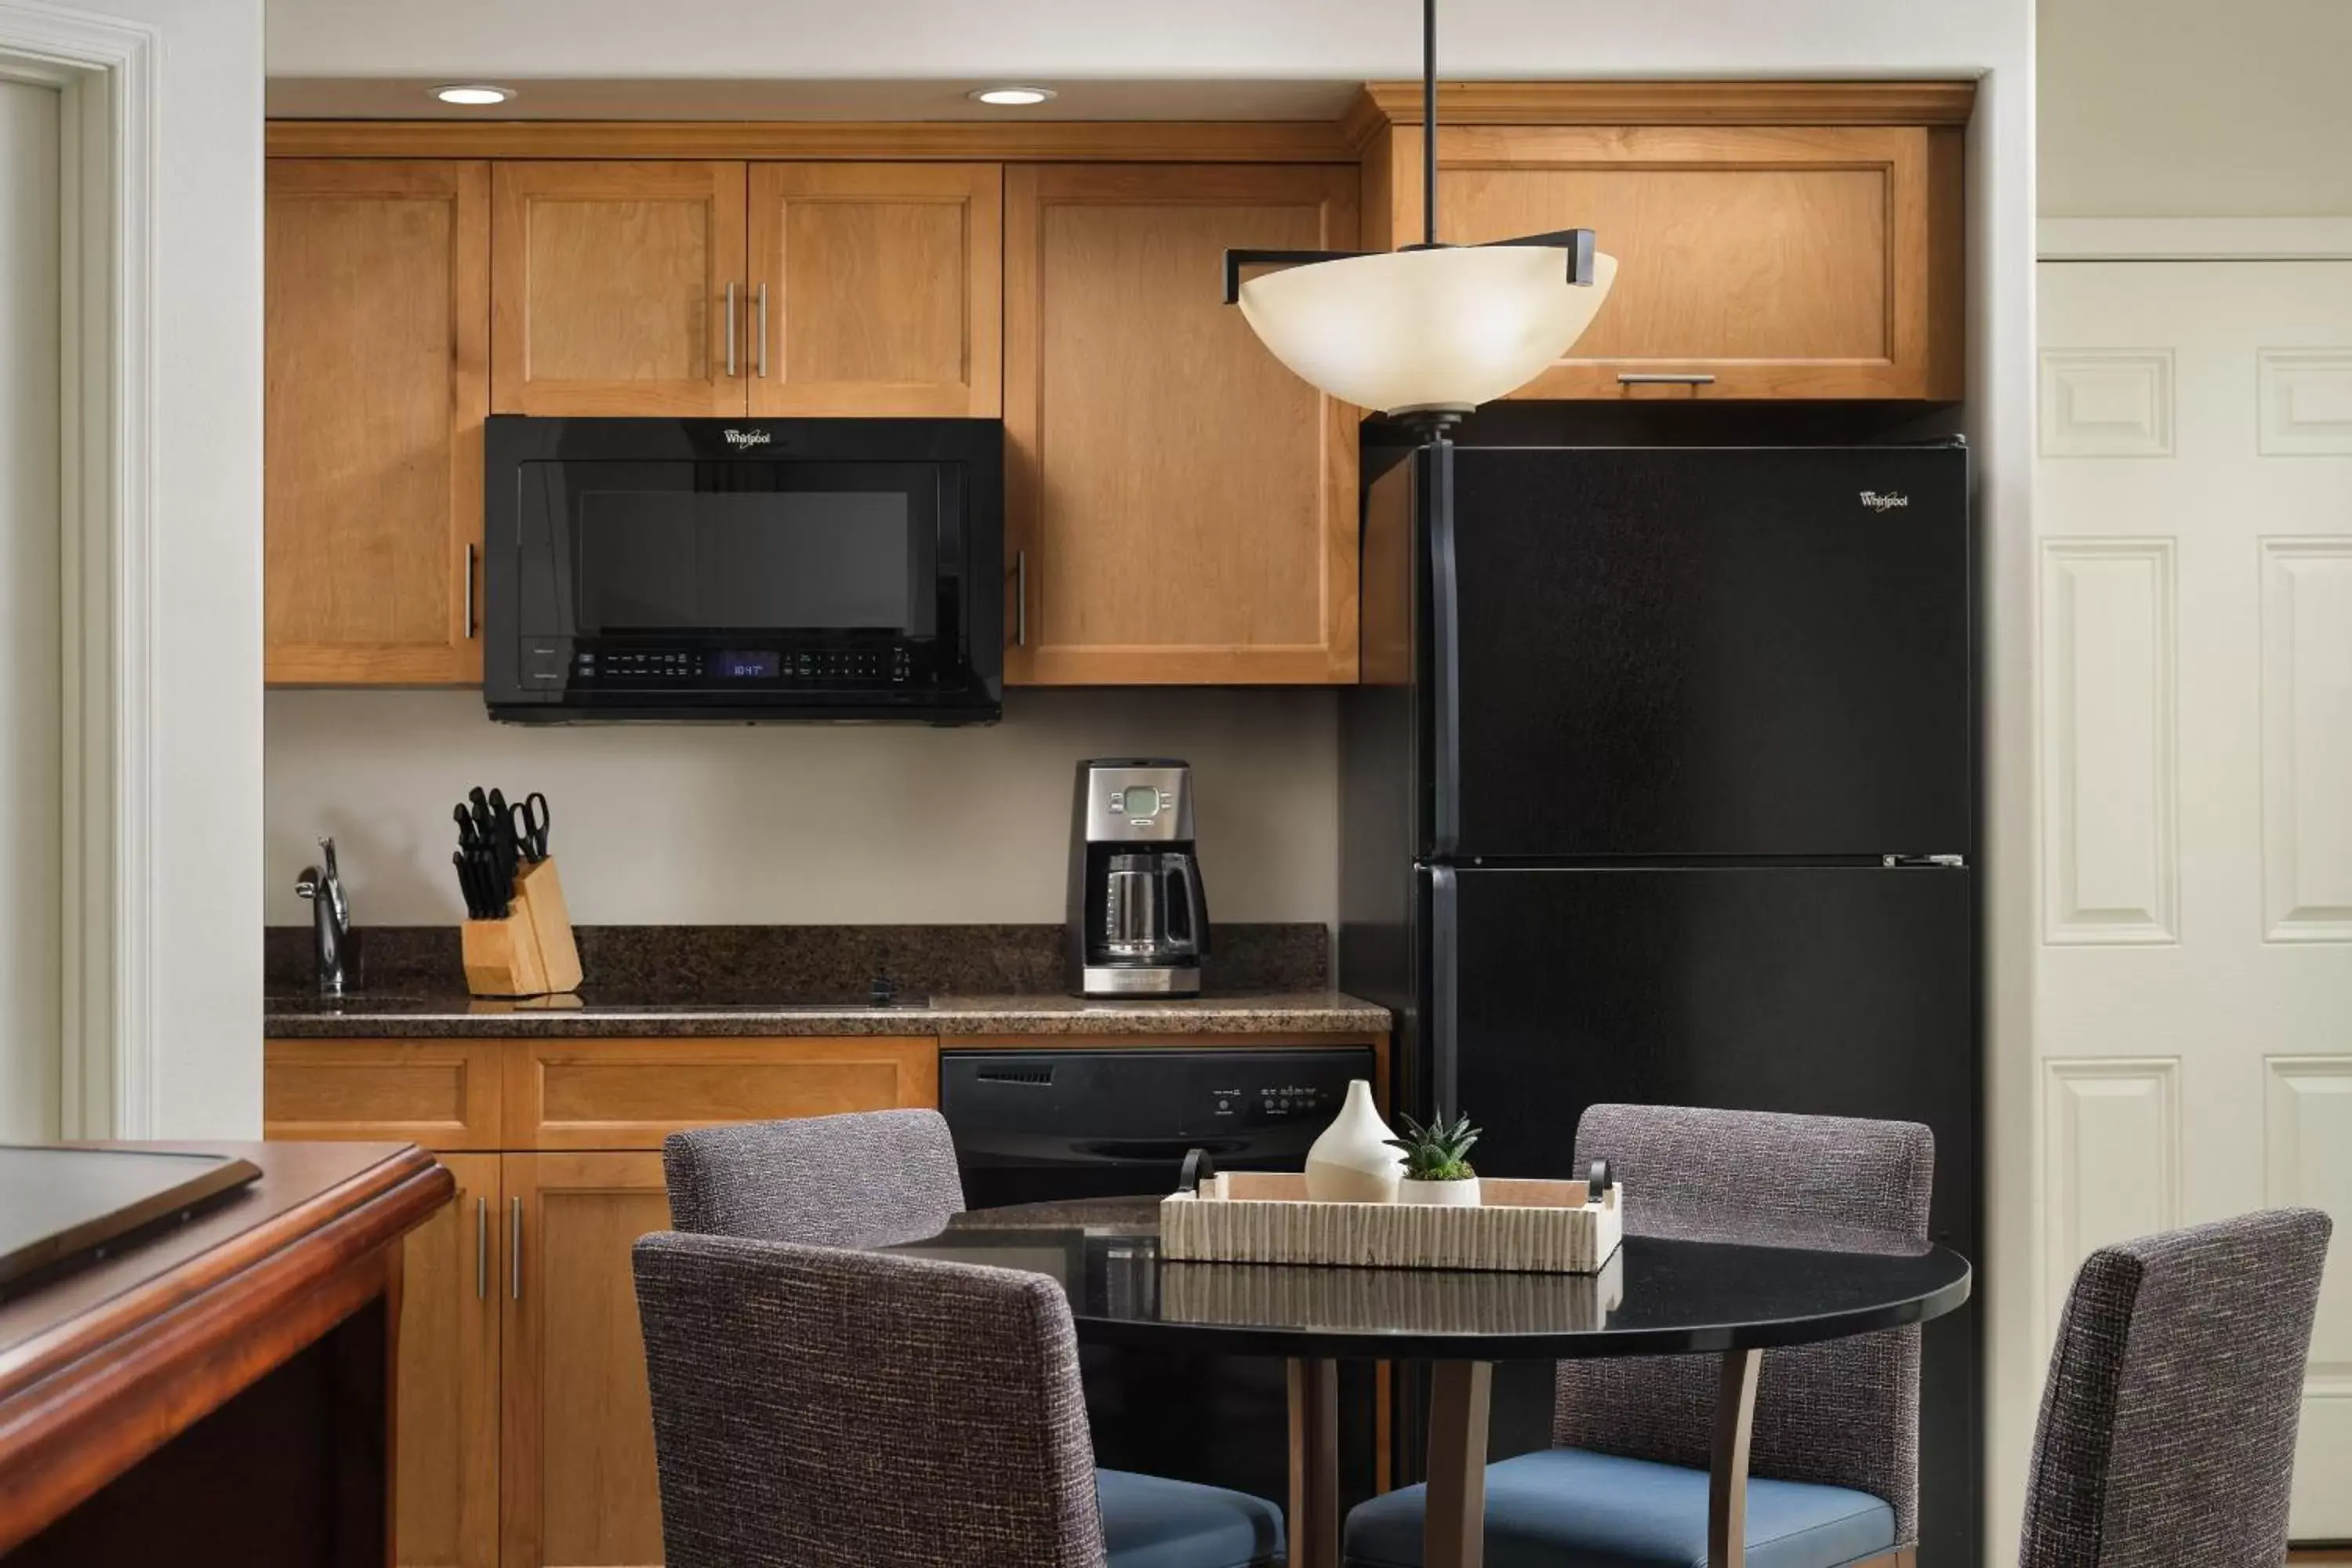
(1462, 1194)
(1352, 1162)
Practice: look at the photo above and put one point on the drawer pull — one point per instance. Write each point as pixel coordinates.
(1664, 378)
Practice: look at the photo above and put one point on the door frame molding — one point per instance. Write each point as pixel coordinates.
(2194, 238)
(104, 70)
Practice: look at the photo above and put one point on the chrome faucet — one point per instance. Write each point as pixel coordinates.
(331, 919)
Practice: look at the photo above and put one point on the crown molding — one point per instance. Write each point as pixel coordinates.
(1050, 141)
(1385, 104)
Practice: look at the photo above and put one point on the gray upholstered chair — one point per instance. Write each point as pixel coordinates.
(2169, 1420)
(866, 1179)
(870, 1179)
(1834, 1459)
(817, 1407)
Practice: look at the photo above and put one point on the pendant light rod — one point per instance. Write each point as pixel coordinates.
(1429, 123)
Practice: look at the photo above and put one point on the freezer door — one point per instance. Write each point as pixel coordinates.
(1845, 991)
(1698, 651)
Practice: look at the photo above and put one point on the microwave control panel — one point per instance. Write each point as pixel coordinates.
(752, 668)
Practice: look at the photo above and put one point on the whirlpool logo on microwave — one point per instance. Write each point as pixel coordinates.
(1876, 500)
(743, 439)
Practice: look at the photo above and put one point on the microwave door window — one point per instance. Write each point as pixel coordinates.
(803, 560)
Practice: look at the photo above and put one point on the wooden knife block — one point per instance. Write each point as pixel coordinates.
(531, 952)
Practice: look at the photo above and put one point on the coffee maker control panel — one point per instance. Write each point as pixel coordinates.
(1145, 801)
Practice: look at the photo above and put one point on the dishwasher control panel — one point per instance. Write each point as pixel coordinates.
(1258, 1104)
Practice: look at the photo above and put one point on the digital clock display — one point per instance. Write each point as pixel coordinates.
(746, 666)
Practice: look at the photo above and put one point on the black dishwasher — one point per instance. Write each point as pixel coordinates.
(1037, 1126)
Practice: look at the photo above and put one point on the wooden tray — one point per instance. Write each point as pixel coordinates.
(1523, 1227)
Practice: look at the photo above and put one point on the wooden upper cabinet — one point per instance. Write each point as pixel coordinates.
(610, 289)
(377, 356)
(1181, 509)
(1756, 261)
(875, 289)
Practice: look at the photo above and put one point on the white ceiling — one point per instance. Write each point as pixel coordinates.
(1077, 44)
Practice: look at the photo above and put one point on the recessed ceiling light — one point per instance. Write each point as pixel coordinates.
(1013, 97)
(473, 94)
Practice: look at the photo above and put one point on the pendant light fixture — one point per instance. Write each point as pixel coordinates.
(1430, 332)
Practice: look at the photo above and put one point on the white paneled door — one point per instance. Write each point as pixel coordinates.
(2194, 994)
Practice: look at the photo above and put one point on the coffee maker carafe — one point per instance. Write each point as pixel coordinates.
(1139, 920)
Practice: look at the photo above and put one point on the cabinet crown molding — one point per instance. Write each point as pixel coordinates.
(1044, 141)
(1383, 104)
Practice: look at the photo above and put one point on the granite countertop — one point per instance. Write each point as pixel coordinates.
(360, 1017)
(649, 982)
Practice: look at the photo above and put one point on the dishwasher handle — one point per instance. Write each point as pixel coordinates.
(1151, 1150)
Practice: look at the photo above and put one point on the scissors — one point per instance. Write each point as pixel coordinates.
(529, 817)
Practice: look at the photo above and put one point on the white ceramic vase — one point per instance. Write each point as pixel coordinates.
(1462, 1194)
(1352, 1162)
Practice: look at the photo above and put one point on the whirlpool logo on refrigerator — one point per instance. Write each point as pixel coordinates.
(743, 439)
(1876, 500)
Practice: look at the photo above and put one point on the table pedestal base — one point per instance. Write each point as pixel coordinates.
(1454, 1519)
(1314, 1524)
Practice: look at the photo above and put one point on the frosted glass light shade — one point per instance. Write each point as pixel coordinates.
(1407, 329)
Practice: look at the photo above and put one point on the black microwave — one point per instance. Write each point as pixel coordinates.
(743, 569)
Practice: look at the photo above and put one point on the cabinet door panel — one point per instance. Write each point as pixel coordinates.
(576, 1464)
(610, 286)
(883, 294)
(631, 1094)
(443, 1094)
(1185, 506)
(1777, 262)
(376, 367)
(447, 1430)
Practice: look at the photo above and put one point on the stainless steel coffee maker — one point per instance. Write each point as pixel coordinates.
(1139, 921)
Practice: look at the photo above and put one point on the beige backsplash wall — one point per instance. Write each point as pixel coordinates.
(798, 823)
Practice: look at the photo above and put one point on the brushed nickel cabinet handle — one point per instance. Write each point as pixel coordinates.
(730, 329)
(763, 329)
(1661, 378)
(514, 1251)
(1021, 599)
(469, 592)
(482, 1248)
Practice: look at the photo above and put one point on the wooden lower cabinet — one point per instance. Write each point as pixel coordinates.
(447, 1435)
(576, 1452)
(524, 1434)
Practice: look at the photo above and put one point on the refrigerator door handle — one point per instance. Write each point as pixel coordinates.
(1445, 651)
(1444, 1044)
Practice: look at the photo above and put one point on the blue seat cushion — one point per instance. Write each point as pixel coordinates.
(1151, 1522)
(1568, 1508)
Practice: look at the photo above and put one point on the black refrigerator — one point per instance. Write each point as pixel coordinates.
(1661, 786)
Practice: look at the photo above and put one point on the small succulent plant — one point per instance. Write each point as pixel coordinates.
(1435, 1153)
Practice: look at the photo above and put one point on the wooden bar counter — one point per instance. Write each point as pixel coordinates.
(218, 1392)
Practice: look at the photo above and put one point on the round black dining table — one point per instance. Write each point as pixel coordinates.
(1687, 1286)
